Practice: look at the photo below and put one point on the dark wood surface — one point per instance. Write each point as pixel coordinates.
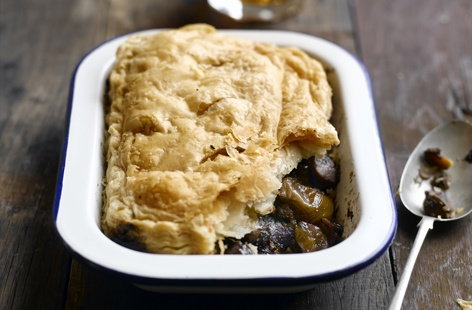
(418, 53)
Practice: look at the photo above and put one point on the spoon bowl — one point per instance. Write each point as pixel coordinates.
(454, 140)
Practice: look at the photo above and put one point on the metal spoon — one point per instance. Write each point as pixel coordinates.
(454, 139)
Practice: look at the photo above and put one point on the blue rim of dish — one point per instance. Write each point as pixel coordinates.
(65, 139)
(236, 283)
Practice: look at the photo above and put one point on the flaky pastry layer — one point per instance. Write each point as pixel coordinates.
(201, 129)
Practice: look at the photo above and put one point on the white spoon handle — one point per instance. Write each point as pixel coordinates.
(424, 226)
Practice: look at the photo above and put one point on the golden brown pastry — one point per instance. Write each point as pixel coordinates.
(202, 127)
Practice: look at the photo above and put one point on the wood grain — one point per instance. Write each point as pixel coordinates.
(421, 67)
(36, 61)
(417, 52)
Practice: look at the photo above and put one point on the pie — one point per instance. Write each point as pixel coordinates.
(201, 130)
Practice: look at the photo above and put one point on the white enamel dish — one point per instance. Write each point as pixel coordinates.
(364, 200)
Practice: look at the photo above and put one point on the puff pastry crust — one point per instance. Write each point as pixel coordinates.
(201, 129)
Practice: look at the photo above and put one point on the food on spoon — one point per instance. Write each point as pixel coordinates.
(434, 205)
(468, 157)
(201, 132)
(433, 157)
(441, 182)
(434, 168)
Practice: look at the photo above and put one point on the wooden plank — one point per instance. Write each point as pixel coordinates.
(421, 67)
(37, 57)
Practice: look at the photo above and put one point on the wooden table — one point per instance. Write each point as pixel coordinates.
(418, 53)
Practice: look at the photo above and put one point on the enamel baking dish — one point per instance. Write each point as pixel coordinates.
(364, 201)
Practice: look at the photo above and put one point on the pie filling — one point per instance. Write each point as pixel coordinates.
(303, 217)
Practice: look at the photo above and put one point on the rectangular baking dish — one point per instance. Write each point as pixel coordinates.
(364, 202)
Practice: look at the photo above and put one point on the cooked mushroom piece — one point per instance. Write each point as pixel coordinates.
(274, 236)
(309, 204)
(284, 211)
(302, 172)
(333, 231)
(309, 237)
(237, 247)
(436, 206)
(323, 172)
